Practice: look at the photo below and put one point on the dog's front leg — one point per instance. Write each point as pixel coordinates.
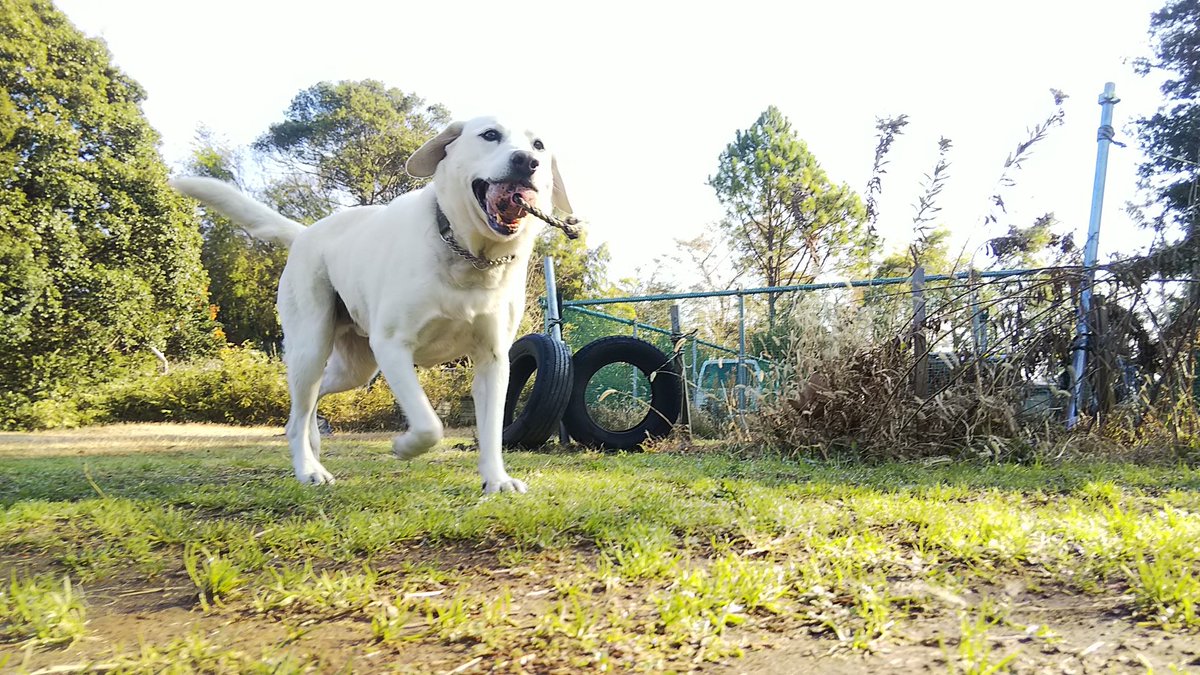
(424, 427)
(488, 390)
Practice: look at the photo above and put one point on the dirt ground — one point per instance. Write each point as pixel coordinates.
(1089, 635)
(1049, 628)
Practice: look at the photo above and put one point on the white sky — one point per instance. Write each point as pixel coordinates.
(639, 98)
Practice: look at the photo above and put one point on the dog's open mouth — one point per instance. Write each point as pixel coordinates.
(499, 202)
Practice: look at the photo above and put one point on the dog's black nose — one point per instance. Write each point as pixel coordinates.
(523, 163)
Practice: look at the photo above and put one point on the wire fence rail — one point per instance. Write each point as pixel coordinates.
(1003, 334)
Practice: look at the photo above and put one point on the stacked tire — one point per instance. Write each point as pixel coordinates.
(559, 392)
(550, 359)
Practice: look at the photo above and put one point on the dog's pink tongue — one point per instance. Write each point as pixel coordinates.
(501, 203)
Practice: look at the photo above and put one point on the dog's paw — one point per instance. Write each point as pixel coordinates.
(409, 444)
(405, 448)
(504, 484)
(314, 475)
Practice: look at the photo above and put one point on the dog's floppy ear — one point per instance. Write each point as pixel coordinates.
(559, 198)
(423, 162)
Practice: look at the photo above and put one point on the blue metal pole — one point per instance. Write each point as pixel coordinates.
(554, 327)
(741, 362)
(633, 371)
(641, 326)
(1091, 251)
(887, 281)
(553, 323)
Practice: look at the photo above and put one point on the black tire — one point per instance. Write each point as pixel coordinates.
(551, 360)
(666, 393)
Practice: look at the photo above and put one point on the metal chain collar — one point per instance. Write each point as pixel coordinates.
(478, 262)
(569, 226)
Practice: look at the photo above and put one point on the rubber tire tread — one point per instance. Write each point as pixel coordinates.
(666, 393)
(543, 412)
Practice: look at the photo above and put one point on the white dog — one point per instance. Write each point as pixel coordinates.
(436, 275)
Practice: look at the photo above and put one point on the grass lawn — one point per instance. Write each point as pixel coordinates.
(152, 548)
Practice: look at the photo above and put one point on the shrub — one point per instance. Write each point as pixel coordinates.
(844, 383)
(371, 408)
(239, 386)
(57, 412)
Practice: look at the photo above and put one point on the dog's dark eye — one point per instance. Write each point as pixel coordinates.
(491, 135)
(539, 145)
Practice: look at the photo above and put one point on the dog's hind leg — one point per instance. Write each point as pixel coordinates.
(424, 427)
(351, 365)
(306, 313)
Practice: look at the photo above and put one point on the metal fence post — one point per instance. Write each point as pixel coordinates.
(741, 362)
(554, 325)
(677, 358)
(695, 364)
(1104, 137)
(920, 347)
(633, 371)
(978, 318)
(553, 320)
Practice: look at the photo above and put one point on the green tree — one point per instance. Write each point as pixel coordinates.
(579, 272)
(1034, 246)
(351, 139)
(98, 256)
(1170, 179)
(243, 271)
(1171, 137)
(933, 255)
(786, 220)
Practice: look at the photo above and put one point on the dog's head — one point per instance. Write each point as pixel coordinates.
(487, 167)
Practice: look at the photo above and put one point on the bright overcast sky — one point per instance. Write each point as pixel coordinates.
(639, 99)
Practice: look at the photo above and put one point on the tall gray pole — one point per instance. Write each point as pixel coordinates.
(1091, 252)
(741, 362)
(553, 324)
(633, 371)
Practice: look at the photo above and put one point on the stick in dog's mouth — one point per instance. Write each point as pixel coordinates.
(501, 203)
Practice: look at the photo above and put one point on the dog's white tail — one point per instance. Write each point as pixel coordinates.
(260, 221)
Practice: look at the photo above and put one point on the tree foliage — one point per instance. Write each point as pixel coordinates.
(579, 272)
(1034, 246)
(786, 220)
(1172, 135)
(243, 271)
(351, 139)
(933, 255)
(98, 256)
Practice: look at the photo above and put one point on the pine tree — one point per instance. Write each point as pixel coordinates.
(1172, 136)
(787, 221)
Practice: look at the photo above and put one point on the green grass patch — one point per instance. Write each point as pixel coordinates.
(624, 561)
(44, 608)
